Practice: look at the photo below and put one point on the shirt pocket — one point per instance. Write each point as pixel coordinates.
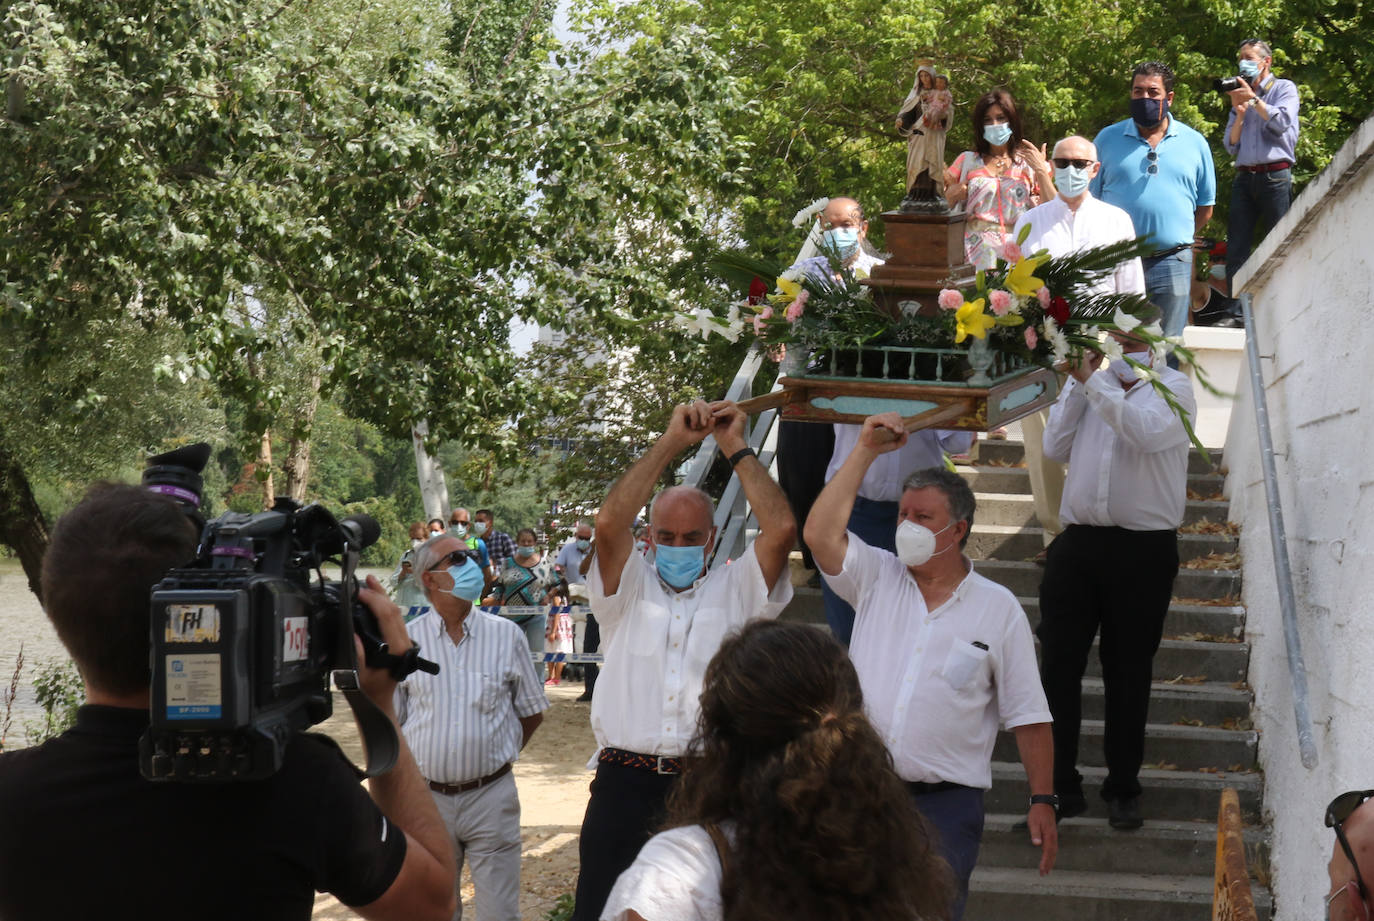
(492, 689)
(963, 665)
(708, 629)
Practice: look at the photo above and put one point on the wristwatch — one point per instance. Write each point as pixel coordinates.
(1046, 799)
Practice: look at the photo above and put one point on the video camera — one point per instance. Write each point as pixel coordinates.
(1227, 84)
(246, 636)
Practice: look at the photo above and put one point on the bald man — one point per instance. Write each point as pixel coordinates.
(1073, 220)
(1349, 897)
(662, 619)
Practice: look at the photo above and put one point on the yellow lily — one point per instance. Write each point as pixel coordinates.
(1021, 279)
(789, 288)
(971, 321)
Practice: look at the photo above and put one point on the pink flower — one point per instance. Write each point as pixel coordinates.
(1000, 302)
(1043, 295)
(764, 314)
(950, 299)
(1011, 252)
(1031, 338)
(795, 309)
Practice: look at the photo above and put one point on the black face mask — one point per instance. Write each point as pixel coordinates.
(1149, 112)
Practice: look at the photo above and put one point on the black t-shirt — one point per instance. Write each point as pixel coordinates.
(83, 835)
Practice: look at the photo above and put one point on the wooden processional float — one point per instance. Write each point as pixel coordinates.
(973, 389)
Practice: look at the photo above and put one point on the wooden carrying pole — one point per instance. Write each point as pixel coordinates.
(1231, 897)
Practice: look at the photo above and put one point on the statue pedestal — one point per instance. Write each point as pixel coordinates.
(927, 255)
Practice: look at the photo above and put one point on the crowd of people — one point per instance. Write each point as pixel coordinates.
(744, 768)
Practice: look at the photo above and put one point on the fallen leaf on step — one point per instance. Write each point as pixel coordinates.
(1237, 723)
(1161, 766)
(1226, 601)
(1187, 679)
(1208, 526)
(1188, 722)
(1215, 561)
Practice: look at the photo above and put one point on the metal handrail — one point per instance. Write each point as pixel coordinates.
(1283, 571)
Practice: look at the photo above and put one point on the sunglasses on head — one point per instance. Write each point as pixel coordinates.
(1336, 814)
(454, 558)
(1066, 162)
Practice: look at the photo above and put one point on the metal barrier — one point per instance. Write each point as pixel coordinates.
(1283, 571)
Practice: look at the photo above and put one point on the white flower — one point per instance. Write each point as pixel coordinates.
(1161, 349)
(701, 320)
(1059, 343)
(810, 211)
(1154, 329)
(1124, 321)
(1111, 349)
(1093, 332)
(1144, 373)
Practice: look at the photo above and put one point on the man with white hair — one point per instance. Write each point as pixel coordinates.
(1352, 856)
(1070, 222)
(662, 621)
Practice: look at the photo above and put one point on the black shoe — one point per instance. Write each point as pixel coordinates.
(585, 695)
(1230, 321)
(1123, 813)
(1072, 805)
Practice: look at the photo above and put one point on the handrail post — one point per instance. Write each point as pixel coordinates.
(1288, 604)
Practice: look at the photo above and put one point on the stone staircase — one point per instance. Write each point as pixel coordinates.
(1198, 740)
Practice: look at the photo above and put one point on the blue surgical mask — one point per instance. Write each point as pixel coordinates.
(525, 552)
(1149, 112)
(997, 135)
(1249, 69)
(679, 566)
(843, 240)
(640, 545)
(458, 529)
(468, 581)
(583, 544)
(479, 528)
(1071, 181)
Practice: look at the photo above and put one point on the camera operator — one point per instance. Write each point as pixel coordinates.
(1262, 134)
(85, 835)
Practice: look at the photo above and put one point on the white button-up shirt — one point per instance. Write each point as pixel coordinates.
(937, 683)
(883, 481)
(464, 723)
(1061, 231)
(1127, 451)
(657, 643)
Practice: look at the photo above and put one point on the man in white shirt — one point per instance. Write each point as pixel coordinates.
(1071, 222)
(468, 723)
(1113, 566)
(661, 623)
(944, 655)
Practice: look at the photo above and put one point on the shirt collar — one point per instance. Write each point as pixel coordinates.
(1133, 130)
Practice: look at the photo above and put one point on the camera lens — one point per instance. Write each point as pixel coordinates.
(1226, 84)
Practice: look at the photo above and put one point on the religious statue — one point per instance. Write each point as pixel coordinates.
(924, 121)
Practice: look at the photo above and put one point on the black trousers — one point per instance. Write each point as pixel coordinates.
(591, 642)
(1121, 582)
(625, 810)
(803, 452)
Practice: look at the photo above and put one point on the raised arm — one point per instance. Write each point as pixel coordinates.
(826, 527)
(777, 526)
(690, 424)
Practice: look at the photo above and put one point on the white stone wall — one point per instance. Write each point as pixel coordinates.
(1312, 285)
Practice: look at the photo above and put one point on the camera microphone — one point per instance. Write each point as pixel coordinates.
(363, 530)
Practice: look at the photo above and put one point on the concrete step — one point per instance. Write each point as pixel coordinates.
(1005, 453)
(1161, 846)
(1182, 619)
(1189, 659)
(1003, 893)
(1022, 542)
(983, 478)
(1212, 703)
(1017, 509)
(1177, 796)
(1023, 579)
(1185, 747)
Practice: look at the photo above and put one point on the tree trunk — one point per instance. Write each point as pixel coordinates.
(22, 525)
(298, 454)
(433, 486)
(269, 491)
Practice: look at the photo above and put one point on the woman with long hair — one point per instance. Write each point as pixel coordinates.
(788, 807)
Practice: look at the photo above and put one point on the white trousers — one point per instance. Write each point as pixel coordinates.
(484, 825)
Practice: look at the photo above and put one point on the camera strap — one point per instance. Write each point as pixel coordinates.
(378, 731)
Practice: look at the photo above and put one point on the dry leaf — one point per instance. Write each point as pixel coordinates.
(1188, 722)
(1215, 561)
(1161, 766)
(1237, 723)
(1187, 679)
(1226, 601)
(1208, 526)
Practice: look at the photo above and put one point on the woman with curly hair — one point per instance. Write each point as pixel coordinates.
(788, 807)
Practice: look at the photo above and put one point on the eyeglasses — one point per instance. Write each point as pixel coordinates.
(1066, 162)
(1336, 813)
(454, 558)
(1153, 157)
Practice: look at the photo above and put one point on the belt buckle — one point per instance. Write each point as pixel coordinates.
(658, 765)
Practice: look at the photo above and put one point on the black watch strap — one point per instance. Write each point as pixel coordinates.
(1045, 799)
(740, 455)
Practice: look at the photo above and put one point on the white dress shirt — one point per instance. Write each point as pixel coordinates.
(1127, 451)
(934, 693)
(676, 877)
(657, 643)
(464, 723)
(883, 481)
(1061, 231)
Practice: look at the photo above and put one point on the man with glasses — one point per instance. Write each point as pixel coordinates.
(1072, 221)
(1262, 134)
(460, 526)
(468, 723)
(1353, 821)
(1159, 171)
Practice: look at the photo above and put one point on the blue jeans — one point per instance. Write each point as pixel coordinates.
(957, 816)
(1168, 280)
(1258, 200)
(876, 525)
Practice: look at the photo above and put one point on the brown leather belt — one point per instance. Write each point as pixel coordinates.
(452, 788)
(1266, 167)
(657, 764)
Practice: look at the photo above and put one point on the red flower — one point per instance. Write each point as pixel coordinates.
(757, 289)
(1059, 310)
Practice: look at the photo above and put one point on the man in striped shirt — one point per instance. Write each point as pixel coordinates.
(468, 723)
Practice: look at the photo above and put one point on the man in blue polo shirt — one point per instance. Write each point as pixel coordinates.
(1262, 134)
(1159, 171)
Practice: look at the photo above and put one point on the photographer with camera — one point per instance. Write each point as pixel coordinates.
(139, 848)
(1262, 134)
